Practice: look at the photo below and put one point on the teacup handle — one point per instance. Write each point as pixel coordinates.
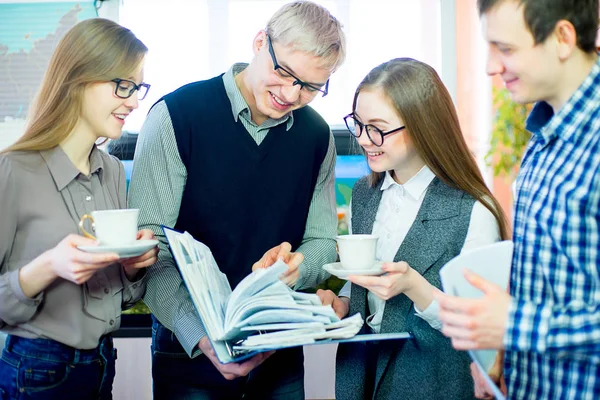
(86, 233)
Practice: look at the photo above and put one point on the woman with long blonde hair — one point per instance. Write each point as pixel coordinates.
(59, 304)
(426, 201)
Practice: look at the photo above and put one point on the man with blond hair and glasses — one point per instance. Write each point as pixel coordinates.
(549, 324)
(243, 164)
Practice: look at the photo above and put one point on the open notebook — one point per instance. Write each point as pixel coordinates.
(492, 262)
(261, 313)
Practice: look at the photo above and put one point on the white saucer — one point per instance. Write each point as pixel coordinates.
(337, 270)
(130, 250)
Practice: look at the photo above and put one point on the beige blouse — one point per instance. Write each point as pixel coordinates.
(42, 197)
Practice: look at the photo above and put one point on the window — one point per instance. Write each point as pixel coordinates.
(190, 41)
(29, 32)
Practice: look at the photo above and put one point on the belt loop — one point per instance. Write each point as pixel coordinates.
(9, 342)
(76, 356)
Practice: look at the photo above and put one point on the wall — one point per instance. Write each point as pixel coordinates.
(134, 376)
(474, 98)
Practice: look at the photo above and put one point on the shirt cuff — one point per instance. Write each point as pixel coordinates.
(430, 315)
(527, 327)
(304, 276)
(346, 290)
(133, 290)
(15, 287)
(189, 330)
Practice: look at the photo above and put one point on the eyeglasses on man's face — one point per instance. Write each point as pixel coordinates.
(125, 88)
(374, 134)
(285, 74)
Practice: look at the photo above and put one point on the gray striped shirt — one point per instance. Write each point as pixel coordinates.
(156, 188)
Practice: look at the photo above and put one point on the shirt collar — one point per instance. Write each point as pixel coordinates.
(543, 123)
(238, 103)
(62, 169)
(415, 187)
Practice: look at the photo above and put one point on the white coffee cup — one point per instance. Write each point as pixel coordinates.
(357, 251)
(112, 227)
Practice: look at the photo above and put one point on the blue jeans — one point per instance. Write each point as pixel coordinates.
(43, 369)
(178, 377)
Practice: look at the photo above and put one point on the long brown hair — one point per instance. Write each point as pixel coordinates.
(94, 50)
(424, 104)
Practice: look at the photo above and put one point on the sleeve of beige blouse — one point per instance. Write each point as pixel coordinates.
(15, 307)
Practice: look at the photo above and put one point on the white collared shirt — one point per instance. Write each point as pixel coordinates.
(397, 211)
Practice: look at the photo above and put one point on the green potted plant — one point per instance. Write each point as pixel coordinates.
(509, 136)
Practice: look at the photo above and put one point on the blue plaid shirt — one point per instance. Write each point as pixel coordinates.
(553, 337)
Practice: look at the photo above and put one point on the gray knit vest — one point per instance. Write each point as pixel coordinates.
(425, 367)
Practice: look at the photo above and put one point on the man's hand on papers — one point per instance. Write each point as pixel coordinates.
(282, 252)
(482, 390)
(232, 370)
(340, 305)
(475, 323)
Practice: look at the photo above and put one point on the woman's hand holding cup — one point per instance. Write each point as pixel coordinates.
(68, 262)
(132, 265)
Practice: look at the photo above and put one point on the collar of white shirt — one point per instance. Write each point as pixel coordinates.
(415, 187)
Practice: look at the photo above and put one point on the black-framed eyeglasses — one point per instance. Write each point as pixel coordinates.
(125, 88)
(284, 73)
(374, 134)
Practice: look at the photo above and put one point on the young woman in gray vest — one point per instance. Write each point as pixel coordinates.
(59, 304)
(426, 201)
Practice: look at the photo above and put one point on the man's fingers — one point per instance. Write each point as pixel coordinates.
(459, 331)
(288, 279)
(293, 263)
(339, 307)
(463, 344)
(296, 260)
(453, 304)
(456, 319)
(480, 283)
(235, 370)
(482, 390)
(284, 251)
(266, 260)
(326, 296)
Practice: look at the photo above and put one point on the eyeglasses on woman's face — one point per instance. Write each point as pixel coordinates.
(374, 134)
(285, 74)
(125, 88)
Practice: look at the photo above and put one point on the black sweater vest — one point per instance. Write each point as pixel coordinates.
(240, 198)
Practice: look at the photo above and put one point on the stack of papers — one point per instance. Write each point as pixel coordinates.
(262, 313)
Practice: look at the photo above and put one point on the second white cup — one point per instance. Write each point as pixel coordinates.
(357, 251)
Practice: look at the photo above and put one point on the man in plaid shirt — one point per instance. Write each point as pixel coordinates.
(549, 325)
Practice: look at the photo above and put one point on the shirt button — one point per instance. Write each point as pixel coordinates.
(389, 236)
(88, 198)
(135, 286)
(106, 290)
(111, 322)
